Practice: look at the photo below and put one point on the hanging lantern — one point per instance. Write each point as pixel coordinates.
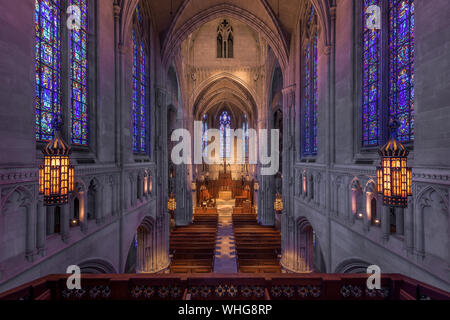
(278, 203)
(172, 204)
(394, 178)
(56, 176)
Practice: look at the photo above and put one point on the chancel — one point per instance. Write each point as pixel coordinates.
(346, 100)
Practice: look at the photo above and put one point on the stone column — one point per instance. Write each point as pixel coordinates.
(385, 222)
(65, 223)
(41, 227)
(400, 223)
(99, 205)
(409, 226)
(31, 231)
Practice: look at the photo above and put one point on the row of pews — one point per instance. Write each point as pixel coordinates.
(257, 247)
(193, 247)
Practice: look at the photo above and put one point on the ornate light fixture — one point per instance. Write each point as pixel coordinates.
(256, 186)
(394, 178)
(172, 204)
(56, 176)
(278, 203)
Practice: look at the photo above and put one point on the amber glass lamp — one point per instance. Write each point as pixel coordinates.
(278, 203)
(172, 204)
(394, 178)
(56, 176)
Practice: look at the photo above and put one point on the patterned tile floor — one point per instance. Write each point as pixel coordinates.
(225, 259)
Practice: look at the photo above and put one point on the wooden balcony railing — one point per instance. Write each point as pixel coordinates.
(227, 287)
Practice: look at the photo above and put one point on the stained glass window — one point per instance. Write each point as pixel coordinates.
(398, 74)
(225, 135)
(402, 54)
(310, 98)
(48, 66)
(79, 76)
(205, 135)
(245, 150)
(139, 124)
(371, 82)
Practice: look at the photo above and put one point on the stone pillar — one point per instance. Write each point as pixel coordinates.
(65, 223)
(409, 226)
(41, 227)
(31, 231)
(99, 205)
(400, 223)
(385, 222)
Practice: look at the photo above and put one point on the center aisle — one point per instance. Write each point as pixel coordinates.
(225, 258)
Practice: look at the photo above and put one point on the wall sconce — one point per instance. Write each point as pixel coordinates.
(56, 176)
(256, 186)
(394, 177)
(360, 216)
(377, 222)
(194, 186)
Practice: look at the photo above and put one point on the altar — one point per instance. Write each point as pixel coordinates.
(225, 195)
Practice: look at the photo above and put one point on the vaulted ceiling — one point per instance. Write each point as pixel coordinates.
(173, 20)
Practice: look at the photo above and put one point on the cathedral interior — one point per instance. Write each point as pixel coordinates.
(209, 149)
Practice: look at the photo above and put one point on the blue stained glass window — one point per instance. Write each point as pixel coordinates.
(371, 81)
(139, 103)
(225, 135)
(79, 76)
(48, 66)
(400, 47)
(402, 54)
(310, 98)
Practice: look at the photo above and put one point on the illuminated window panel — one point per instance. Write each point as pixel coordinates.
(310, 98)
(139, 98)
(402, 54)
(225, 135)
(79, 77)
(48, 66)
(371, 81)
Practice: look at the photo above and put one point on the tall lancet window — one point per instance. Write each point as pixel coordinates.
(79, 76)
(394, 42)
(310, 88)
(371, 77)
(225, 135)
(139, 103)
(245, 151)
(225, 40)
(205, 135)
(402, 54)
(48, 66)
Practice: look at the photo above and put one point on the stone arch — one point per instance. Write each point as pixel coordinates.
(305, 245)
(427, 199)
(97, 266)
(25, 196)
(275, 38)
(94, 195)
(372, 201)
(17, 216)
(246, 93)
(357, 198)
(145, 246)
(352, 266)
